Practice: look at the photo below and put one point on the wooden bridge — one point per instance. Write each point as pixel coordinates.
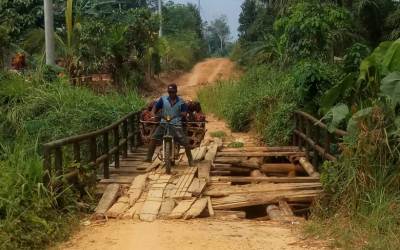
(226, 181)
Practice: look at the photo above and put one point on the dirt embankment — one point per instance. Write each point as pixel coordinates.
(200, 233)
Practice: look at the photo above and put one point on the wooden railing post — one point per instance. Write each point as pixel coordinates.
(93, 150)
(301, 119)
(327, 143)
(308, 134)
(296, 126)
(46, 165)
(106, 165)
(315, 159)
(77, 152)
(125, 136)
(116, 145)
(58, 161)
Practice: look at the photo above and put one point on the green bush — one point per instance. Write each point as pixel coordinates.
(31, 113)
(264, 99)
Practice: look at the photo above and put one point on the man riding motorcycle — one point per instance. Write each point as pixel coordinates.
(175, 107)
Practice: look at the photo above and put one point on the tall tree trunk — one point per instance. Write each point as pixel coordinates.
(49, 31)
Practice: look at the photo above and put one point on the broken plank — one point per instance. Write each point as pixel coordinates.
(153, 201)
(200, 153)
(196, 209)
(136, 188)
(166, 208)
(308, 167)
(107, 200)
(186, 180)
(280, 168)
(211, 153)
(118, 208)
(197, 186)
(210, 207)
(204, 171)
(181, 209)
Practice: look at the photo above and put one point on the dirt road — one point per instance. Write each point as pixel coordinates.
(199, 234)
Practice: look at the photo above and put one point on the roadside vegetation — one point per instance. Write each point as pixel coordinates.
(338, 60)
(40, 103)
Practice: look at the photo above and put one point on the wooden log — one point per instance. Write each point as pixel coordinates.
(196, 209)
(263, 149)
(230, 160)
(252, 199)
(220, 173)
(308, 167)
(232, 169)
(259, 154)
(107, 200)
(285, 208)
(181, 209)
(136, 188)
(274, 213)
(253, 162)
(229, 214)
(261, 188)
(268, 179)
(210, 207)
(119, 207)
(269, 168)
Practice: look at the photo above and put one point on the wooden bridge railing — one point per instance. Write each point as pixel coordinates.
(315, 137)
(101, 150)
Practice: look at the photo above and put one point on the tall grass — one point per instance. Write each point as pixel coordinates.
(263, 99)
(31, 113)
(363, 189)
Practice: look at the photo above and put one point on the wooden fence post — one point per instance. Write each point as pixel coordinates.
(116, 145)
(106, 165)
(93, 150)
(58, 161)
(77, 152)
(46, 165)
(125, 136)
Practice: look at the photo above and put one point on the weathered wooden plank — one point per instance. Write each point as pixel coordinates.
(210, 207)
(263, 149)
(136, 188)
(229, 214)
(230, 160)
(212, 152)
(237, 201)
(167, 206)
(197, 186)
(269, 179)
(259, 154)
(200, 153)
(154, 199)
(280, 168)
(118, 208)
(186, 180)
(181, 209)
(308, 167)
(196, 209)
(118, 180)
(107, 200)
(261, 188)
(204, 171)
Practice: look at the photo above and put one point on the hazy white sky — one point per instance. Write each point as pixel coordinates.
(210, 9)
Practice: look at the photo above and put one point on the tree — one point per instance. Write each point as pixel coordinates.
(246, 19)
(220, 28)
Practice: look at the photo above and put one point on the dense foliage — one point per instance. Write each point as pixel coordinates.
(333, 59)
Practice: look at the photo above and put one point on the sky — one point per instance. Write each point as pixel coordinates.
(211, 9)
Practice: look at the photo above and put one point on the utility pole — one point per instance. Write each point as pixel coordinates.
(49, 31)
(160, 33)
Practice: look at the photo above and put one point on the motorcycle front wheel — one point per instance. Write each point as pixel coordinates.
(168, 152)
